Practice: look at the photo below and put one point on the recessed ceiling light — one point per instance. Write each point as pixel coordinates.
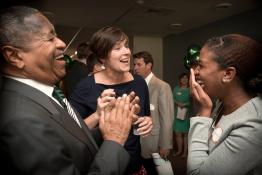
(223, 5)
(140, 2)
(176, 25)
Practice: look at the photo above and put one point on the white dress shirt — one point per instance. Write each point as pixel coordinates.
(148, 78)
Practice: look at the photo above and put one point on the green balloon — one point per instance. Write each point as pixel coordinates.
(191, 60)
(192, 56)
(193, 49)
(187, 62)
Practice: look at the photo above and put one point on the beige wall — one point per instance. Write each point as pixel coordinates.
(153, 45)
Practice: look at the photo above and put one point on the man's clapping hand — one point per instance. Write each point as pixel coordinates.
(115, 124)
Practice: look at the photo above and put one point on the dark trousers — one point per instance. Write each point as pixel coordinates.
(150, 166)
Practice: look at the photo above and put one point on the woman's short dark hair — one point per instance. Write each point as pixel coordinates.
(243, 53)
(103, 41)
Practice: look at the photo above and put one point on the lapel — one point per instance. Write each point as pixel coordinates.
(153, 87)
(58, 114)
(151, 83)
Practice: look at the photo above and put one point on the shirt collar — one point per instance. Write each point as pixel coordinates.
(148, 78)
(46, 89)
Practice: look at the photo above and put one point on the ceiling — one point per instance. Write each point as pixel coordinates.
(76, 20)
(139, 17)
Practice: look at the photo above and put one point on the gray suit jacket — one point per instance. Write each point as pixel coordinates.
(162, 112)
(37, 136)
(232, 147)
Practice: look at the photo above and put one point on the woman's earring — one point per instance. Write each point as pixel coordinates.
(103, 67)
(225, 80)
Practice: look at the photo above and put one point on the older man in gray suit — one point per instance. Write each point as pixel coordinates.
(162, 112)
(39, 132)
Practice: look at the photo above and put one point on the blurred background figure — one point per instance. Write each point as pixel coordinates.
(160, 139)
(94, 65)
(82, 52)
(181, 96)
(77, 69)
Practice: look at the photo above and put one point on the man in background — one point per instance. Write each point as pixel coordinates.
(77, 69)
(162, 111)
